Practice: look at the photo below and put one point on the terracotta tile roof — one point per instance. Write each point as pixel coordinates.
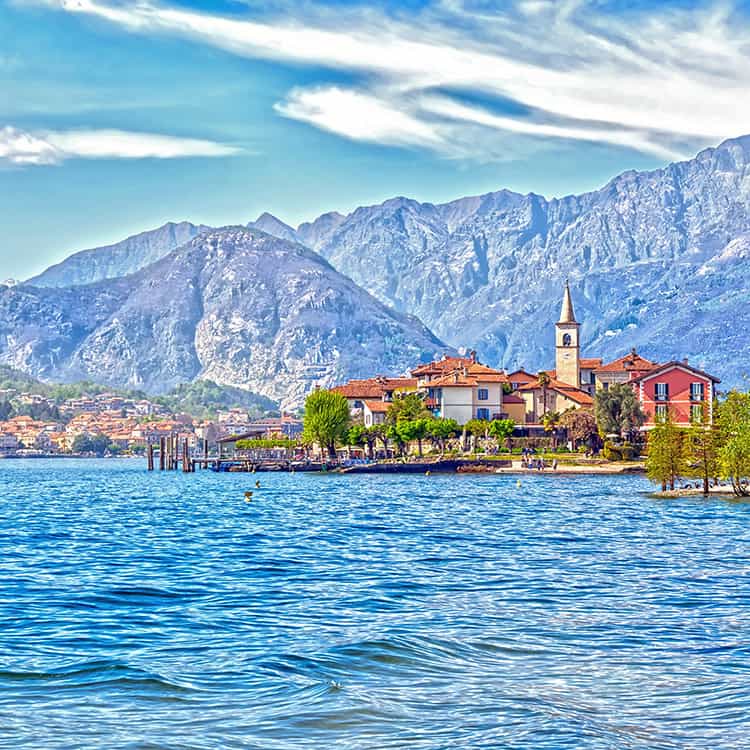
(565, 389)
(521, 376)
(631, 361)
(374, 388)
(379, 407)
(659, 369)
(589, 363)
(447, 364)
(512, 398)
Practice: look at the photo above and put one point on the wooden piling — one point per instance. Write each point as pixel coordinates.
(150, 456)
(162, 453)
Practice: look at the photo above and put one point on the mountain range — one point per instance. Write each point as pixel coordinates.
(658, 260)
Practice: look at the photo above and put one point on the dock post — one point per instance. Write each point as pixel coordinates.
(150, 456)
(162, 451)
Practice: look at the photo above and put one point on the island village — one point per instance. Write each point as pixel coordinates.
(459, 390)
(463, 389)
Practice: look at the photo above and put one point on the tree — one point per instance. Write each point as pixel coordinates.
(412, 429)
(96, 444)
(379, 432)
(393, 434)
(617, 410)
(502, 429)
(326, 420)
(543, 382)
(734, 453)
(550, 421)
(407, 406)
(440, 430)
(6, 409)
(702, 445)
(666, 460)
(371, 437)
(477, 428)
(356, 435)
(580, 424)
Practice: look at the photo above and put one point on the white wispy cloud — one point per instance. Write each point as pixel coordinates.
(658, 81)
(20, 147)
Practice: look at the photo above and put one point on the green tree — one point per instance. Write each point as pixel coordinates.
(408, 406)
(440, 430)
(326, 420)
(96, 444)
(666, 460)
(580, 424)
(356, 435)
(477, 428)
(703, 445)
(617, 410)
(371, 437)
(551, 421)
(734, 453)
(411, 430)
(502, 430)
(393, 434)
(6, 409)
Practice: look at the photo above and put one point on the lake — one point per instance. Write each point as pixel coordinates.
(158, 610)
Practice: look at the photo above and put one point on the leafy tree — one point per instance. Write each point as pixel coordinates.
(393, 434)
(6, 409)
(371, 437)
(97, 444)
(326, 420)
(379, 432)
(502, 429)
(734, 453)
(666, 460)
(408, 406)
(356, 435)
(413, 429)
(440, 430)
(580, 425)
(617, 410)
(702, 445)
(477, 428)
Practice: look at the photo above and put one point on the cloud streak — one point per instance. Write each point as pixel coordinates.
(661, 82)
(24, 148)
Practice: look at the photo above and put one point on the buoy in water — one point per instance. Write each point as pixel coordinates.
(427, 473)
(518, 482)
(257, 484)
(248, 496)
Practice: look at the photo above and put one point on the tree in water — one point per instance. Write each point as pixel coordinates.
(326, 420)
(703, 445)
(734, 453)
(666, 459)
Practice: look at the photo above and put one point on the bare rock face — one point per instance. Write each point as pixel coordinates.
(649, 253)
(120, 259)
(236, 306)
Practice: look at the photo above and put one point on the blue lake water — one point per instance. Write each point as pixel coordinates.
(157, 610)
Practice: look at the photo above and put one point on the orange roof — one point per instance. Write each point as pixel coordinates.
(659, 369)
(512, 398)
(377, 406)
(360, 389)
(446, 364)
(591, 363)
(521, 376)
(565, 389)
(631, 361)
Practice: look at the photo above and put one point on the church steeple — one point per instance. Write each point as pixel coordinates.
(567, 346)
(566, 313)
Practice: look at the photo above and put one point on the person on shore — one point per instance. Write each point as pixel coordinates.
(554, 464)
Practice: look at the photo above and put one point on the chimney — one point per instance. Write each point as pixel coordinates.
(473, 355)
(685, 361)
(455, 377)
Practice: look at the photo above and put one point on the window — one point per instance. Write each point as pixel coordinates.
(661, 411)
(357, 404)
(696, 413)
(696, 392)
(483, 394)
(661, 391)
(566, 339)
(483, 414)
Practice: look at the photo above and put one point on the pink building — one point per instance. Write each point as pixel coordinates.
(678, 389)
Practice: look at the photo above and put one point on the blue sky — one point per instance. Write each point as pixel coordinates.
(117, 116)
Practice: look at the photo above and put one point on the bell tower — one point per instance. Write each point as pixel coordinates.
(567, 346)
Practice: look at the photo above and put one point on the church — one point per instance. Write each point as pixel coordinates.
(677, 388)
(462, 388)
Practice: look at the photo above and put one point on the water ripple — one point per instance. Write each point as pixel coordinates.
(163, 611)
